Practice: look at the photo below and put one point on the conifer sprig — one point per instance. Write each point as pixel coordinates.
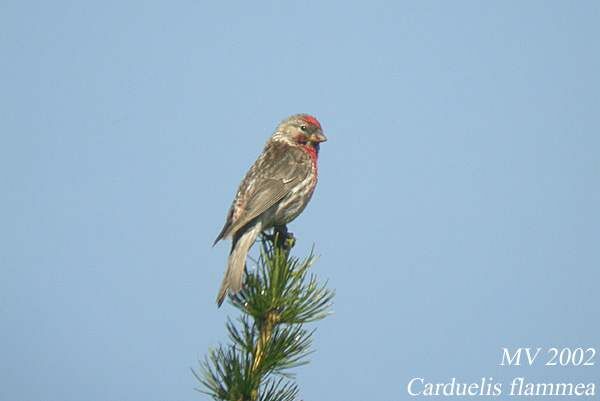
(269, 337)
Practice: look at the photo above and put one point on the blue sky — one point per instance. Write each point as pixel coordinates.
(456, 213)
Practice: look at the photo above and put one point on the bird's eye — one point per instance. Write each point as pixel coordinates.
(303, 128)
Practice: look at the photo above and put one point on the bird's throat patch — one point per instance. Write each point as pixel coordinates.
(313, 152)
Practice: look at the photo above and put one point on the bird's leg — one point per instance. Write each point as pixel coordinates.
(283, 238)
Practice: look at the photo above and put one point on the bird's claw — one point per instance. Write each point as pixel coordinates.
(289, 241)
(281, 238)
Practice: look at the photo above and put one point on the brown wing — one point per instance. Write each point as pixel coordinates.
(270, 179)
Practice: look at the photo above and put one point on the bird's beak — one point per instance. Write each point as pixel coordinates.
(318, 138)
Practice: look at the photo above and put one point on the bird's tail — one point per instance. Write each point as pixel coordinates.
(237, 261)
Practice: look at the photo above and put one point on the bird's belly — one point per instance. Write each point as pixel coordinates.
(292, 205)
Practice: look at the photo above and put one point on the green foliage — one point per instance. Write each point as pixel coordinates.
(269, 337)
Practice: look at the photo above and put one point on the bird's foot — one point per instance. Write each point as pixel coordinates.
(289, 241)
(281, 238)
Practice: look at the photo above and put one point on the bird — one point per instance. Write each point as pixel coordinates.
(275, 190)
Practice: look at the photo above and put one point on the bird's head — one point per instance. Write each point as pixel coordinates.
(300, 129)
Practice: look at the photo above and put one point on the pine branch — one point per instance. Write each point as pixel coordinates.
(269, 338)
